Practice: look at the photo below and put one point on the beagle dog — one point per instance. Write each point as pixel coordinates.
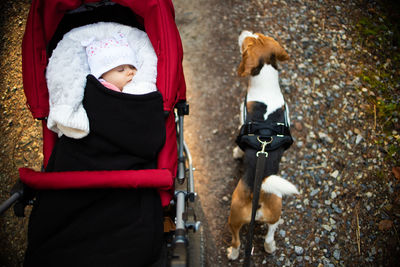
(265, 111)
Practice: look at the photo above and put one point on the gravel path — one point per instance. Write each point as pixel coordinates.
(335, 221)
(346, 214)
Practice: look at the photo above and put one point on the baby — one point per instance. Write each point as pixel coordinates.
(121, 57)
(112, 61)
(116, 78)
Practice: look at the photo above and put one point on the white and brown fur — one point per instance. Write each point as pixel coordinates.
(264, 102)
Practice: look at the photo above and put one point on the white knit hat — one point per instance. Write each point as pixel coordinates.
(104, 55)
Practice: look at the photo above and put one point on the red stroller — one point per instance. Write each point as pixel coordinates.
(48, 21)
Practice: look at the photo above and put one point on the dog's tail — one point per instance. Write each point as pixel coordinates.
(277, 185)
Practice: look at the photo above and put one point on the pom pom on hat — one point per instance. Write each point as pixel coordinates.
(104, 55)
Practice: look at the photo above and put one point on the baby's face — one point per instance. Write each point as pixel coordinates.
(120, 76)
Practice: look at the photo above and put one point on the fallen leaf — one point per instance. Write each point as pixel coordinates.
(385, 225)
(396, 172)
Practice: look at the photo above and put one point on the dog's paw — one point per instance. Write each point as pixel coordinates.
(270, 247)
(232, 253)
(238, 153)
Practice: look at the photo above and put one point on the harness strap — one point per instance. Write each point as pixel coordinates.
(252, 127)
(247, 139)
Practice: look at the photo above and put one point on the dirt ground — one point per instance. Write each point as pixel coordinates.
(337, 219)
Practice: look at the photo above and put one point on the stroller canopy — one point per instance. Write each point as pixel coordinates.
(155, 16)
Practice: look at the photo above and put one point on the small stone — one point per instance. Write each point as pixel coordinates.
(225, 198)
(337, 209)
(299, 250)
(359, 138)
(324, 137)
(299, 259)
(298, 126)
(336, 254)
(349, 132)
(282, 233)
(314, 146)
(327, 227)
(314, 192)
(334, 174)
(299, 144)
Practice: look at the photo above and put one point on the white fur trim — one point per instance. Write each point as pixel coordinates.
(64, 120)
(139, 88)
(277, 185)
(68, 67)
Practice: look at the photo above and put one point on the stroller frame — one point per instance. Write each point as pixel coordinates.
(185, 242)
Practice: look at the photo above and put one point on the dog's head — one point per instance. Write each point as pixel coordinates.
(257, 50)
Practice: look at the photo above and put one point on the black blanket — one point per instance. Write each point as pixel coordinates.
(103, 227)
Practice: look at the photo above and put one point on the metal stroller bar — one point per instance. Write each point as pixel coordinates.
(7, 204)
(185, 218)
(183, 109)
(182, 195)
(192, 193)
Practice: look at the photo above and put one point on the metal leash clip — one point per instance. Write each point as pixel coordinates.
(264, 144)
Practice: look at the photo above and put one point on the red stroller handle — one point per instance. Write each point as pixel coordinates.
(155, 178)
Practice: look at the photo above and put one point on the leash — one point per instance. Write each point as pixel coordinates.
(262, 156)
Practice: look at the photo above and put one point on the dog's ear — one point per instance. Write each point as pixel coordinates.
(281, 54)
(273, 48)
(250, 59)
(247, 64)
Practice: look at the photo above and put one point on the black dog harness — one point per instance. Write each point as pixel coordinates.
(252, 131)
